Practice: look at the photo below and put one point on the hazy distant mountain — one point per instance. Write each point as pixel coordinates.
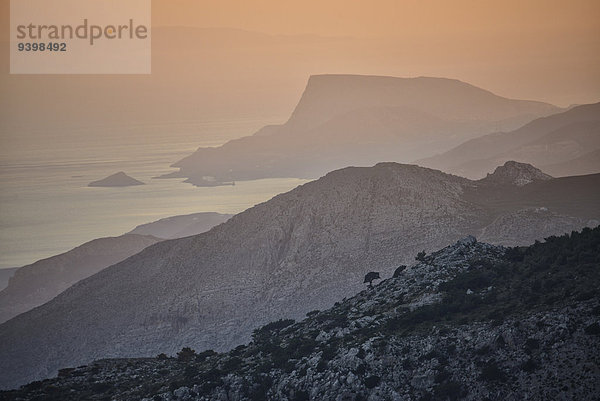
(589, 163)
(119, 179)
(562, 144)
(300, 251)
(181, 226)
(5, 275)
(37, 283)
(346, 120)
(514, 173)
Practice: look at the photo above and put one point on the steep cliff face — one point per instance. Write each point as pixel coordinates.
(472, 321)
(327, 96)
(344, 120)
(301, 250)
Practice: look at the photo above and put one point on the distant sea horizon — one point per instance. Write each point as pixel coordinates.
(46, 207)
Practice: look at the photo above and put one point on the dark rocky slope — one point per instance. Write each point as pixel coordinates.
(472, 321)
(302, 250)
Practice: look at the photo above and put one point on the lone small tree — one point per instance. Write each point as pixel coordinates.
(370, 277)
(421, 256)
(399, 270)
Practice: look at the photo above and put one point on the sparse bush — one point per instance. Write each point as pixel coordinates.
(483, 350)
(442, 376)
(202, 356)
(500, 341)
(329, 352)
(360, 369)
(174, 386)
(449, 391)
(35, 385)
(65, 372)
(277, 325)
(593, 329)
(301, 395)
(100, 387)
(232, 364)
(531, 345)
(399, 270)
(491, 372)
(300, 347)
(209, 380)
(372, 381)
(529, 366)
(322, 365)
(190, 372)
(260, 390)
(312, 313)
(186, 354)
(265, 332)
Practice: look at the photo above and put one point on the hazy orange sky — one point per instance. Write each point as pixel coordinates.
(546, 50)
(535, 43)
(397, 18)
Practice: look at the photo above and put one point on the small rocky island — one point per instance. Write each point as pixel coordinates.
(119, 179)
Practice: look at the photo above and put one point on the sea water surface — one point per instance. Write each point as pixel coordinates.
(46, 207)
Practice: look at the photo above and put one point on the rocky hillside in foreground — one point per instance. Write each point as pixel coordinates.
(302, 250)
(471, 321)
(562, 144)
(353, 120)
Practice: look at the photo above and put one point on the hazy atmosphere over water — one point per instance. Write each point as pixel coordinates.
(46, 207)
(303, 201)
(216, 64)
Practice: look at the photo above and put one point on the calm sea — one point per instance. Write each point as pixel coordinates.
(46, 207)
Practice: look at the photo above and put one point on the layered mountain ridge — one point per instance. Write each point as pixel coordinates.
(344, 120)
(181, 226)
(471, 321)
(562, 144)
(39, 282)
(301, 250)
